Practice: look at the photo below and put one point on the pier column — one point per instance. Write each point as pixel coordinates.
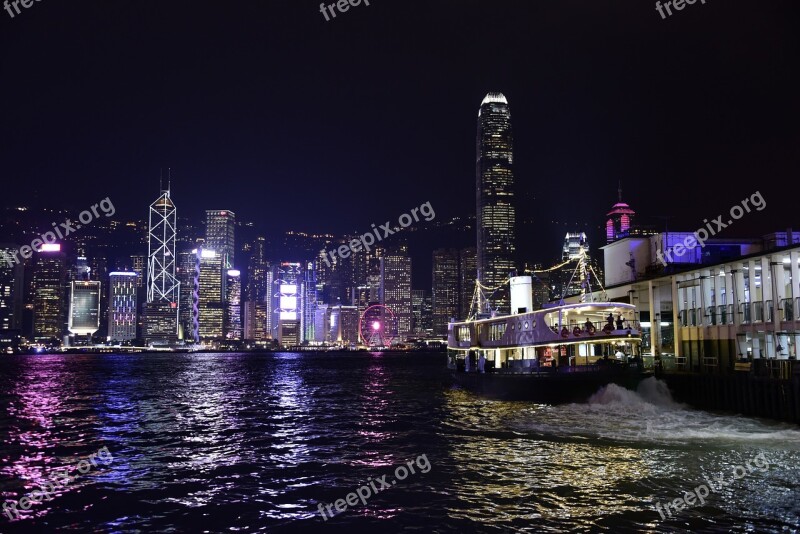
(778, 290)
(655, 328)
(737, 282)
(676, 323)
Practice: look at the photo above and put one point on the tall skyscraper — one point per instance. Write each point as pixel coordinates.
(287, 303)
(233, 306)
(445, 289)
(84, 308)
(620, 219)
(395, 288)
(11, 289)
(210, 295)
(468, 273)
(495, 211)
(122, 306)
(49, 278)
(163, 288)
(309, 301)
(220, 234)
(422, 313)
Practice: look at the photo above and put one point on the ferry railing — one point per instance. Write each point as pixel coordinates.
(744, 310)
(682, 316)
(758, 312)
(788, 309)
(712, 315)
(770, 312)
(710, 363)
(681, 363)
(725, 313)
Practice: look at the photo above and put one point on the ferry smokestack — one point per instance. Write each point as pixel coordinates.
(521, 294)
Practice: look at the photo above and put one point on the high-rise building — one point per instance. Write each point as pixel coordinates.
(287, 303)
(187, 273)
(49, 278)
(495, 211)
(11, 289)
(468, 273)
(395, 288)
(309, 301)
(210, 294)
(422, 313)
(139, 266)
(620, 219)
(84, 308)
(445, 289)
(233, 306)
(122, 306)
(257, 318)
(220, 234)
(163, 288)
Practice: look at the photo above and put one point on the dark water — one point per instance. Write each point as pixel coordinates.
(240, 443)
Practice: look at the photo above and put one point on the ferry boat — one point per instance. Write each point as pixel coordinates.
(559, 354)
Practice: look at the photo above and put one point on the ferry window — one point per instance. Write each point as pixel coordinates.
(533, 323)
(512, 326)
(496, 331)
(526, 325)
(462, 333)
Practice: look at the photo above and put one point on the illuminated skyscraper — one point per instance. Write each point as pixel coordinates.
(122, 306)
(620, 219)
(49, 278)
(445, 289)
(309, 301)
(84, 308)
(233, 305)
(220, 234)
(286, 303)
(11, 290)
(210, 295)
(395, 288)
(468, 273)
(163, 288)
(496, 216)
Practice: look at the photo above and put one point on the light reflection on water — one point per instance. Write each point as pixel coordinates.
(255, 442)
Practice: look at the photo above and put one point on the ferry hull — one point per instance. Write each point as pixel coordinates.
(547, 388)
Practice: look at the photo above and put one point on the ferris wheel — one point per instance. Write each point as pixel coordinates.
(377, 326)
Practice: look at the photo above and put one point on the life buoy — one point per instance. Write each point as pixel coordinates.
(591, 329)
(576, 331)
(564, 332)
(608, 328)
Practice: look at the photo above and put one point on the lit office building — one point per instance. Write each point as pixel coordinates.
(422, 313)
(11, 290)
(495, 211)
(84, 308)
(337, 325)
(233, 306)
(139, 266)
(163, 288)
(468, 274)
(122, 306)
(286, 303)
(395, 289)
(445, 289)
(210, 295)
(309, 301)
(257, 318)
(49, 279)
(620, 219)
(187, 274)
(220, 235)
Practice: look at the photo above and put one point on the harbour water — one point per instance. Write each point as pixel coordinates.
(256, 442)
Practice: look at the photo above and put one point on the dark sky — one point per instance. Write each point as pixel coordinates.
(265, 108)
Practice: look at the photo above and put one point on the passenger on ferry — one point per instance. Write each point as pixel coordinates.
(610, 319)
(481, 363)
(588, 325)
(620, 324)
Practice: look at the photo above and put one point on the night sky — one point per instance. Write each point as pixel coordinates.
(264, 108)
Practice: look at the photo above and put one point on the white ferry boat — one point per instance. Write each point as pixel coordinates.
(559, 354)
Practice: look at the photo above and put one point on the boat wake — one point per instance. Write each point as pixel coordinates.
(649, 416)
